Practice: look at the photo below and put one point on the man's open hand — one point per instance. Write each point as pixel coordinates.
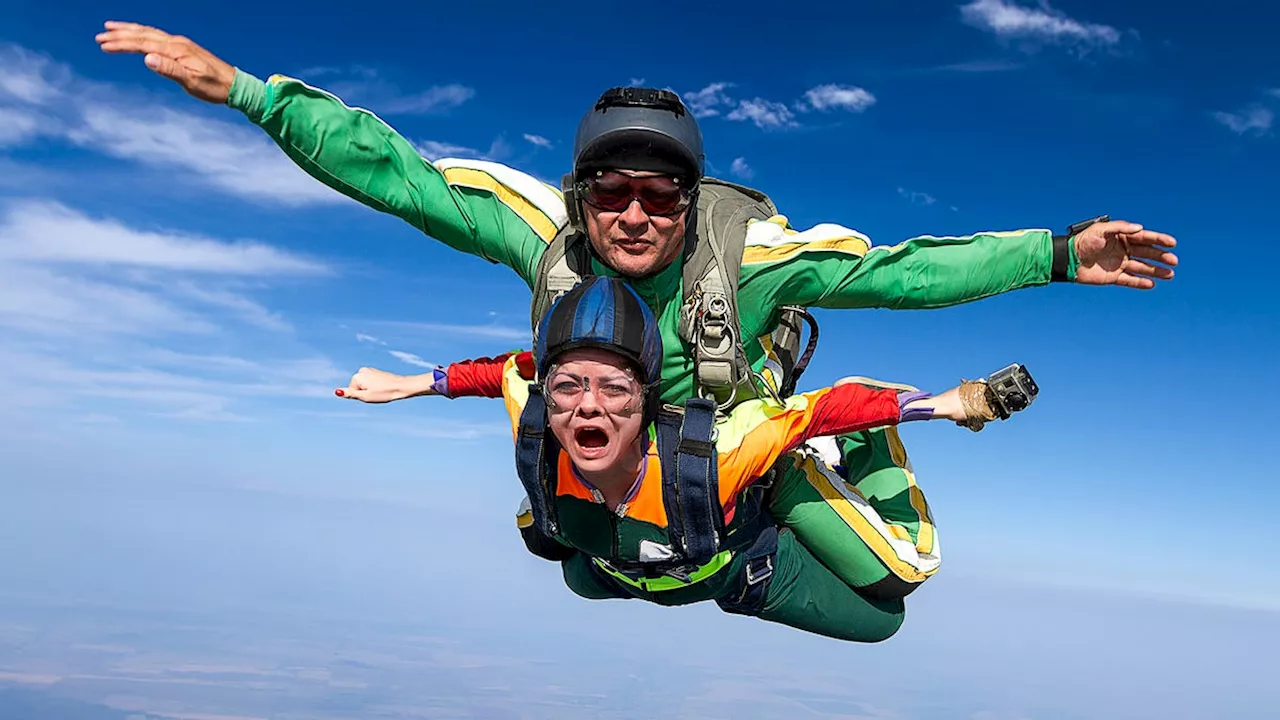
(1123, 253)
(198, 71)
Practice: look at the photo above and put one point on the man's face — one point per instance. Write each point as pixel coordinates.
(598, 424)
(633, 241)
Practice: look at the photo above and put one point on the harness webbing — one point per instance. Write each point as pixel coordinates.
(691, 480)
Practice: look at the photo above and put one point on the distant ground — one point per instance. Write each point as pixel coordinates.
(94, 662)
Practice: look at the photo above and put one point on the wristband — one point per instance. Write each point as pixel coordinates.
(915, 413)
(440, 384)
(1061, 256)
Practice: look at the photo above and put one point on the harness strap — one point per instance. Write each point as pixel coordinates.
(535, 448)
(748, 595)
(646, 579)
(787, 342)
(690, 479)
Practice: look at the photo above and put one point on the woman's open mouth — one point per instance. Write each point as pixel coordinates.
(592, 442)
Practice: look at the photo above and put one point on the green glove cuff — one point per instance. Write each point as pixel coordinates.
(248, 95)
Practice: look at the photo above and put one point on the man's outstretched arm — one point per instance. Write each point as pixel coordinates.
(835, 267)
(481, 208)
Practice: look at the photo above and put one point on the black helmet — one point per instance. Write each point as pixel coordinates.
(639, 129)
(604, 312)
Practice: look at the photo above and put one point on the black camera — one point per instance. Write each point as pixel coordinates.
(1012, 389)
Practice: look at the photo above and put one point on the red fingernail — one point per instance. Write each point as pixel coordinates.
(339, 393)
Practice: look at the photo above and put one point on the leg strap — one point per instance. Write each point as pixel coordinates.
(747, 596)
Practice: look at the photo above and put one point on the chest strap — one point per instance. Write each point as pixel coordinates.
(691, 480)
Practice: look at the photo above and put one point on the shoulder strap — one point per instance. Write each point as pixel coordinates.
(563, 265)
(691, 480)
(536, 454)
(709, 316)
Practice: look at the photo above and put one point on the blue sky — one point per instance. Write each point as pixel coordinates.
(178, 302)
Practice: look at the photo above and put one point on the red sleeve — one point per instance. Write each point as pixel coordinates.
(524, 361)
(849, 408)
(482, 377)
(759, 433)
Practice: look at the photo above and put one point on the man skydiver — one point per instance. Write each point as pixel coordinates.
(592, 381)
(635, 175)
(636, 180)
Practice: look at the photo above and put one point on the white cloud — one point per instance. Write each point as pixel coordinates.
(361, 337)
(432, 100)
(500, 332)
(89, 306)
(236, 159)
(411, 359)
(917, 198)
(38, 301)
(714, 100)
(1007, 19)
(741, 169)
(766, 114)
(434, 150)
(708, 101)
(1252, 121)
(49, 232)
(843, 97)
(637, 82)
(173, 385)
(66, 272)
(537, 140)
(1274, 92)
(980, 66)
(30, 77)
(364, 86)
(248, 310)
(17, 126)
(107, 119)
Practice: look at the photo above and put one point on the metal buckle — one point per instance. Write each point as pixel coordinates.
(752, 578)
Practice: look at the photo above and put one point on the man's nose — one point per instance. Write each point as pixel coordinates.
(634, 215)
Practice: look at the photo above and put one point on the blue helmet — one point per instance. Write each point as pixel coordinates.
(606, 313)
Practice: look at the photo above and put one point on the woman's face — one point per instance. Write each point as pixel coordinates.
(595, 408)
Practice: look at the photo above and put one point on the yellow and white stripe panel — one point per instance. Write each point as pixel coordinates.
(911, 561)
(773, 240)
(537, 203)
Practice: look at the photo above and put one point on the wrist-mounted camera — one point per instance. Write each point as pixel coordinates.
(1012, 390)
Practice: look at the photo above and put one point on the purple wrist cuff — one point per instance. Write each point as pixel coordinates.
(441, 383)
(915, 413)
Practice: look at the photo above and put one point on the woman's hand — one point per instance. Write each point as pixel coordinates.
(371, 385)
(969, 405)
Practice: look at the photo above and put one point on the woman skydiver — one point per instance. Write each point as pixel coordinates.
(841, 565)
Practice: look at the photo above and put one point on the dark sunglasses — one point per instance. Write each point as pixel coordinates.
(658, 195)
